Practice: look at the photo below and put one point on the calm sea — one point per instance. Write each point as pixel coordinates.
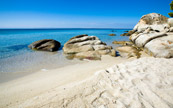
(15, 56)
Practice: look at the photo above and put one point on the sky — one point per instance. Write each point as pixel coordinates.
(77, 13)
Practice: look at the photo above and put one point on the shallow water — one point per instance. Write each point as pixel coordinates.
(15, 56)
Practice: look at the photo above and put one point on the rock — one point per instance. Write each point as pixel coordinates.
(157, 44)
(45, 45)
(170, 22)
(112, 34)
(156, 30)
(99, 47)
(149, 29)
(128, 33)
(91, 55)
(87, 47)
(123, 42)
(113, 30)
(107, 52)
(73, 49)
(153, 34)
(161, 47)
(124, 34)
(153, 20)
(145, 38)
(134, 36)
(128, 51)
(171, 29)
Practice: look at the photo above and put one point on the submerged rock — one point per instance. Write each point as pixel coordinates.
(128, 33)
(112, 34)
(87, 47)
(45, 45)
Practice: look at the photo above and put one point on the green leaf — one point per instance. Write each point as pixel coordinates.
(170, 14)
(171, 5)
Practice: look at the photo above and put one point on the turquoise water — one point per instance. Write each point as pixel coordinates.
(15, 56)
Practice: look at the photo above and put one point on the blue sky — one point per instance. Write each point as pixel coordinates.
(77, 13)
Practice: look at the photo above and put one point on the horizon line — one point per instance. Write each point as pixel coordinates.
(66, 28)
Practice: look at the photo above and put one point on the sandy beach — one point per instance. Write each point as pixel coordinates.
(21, 89)
(86, 54)
(112, 82)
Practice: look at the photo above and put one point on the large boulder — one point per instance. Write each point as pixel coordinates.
(143, 39)
(170, 22)
(154, 35)
(154, 21)
(45, 45)
(128, 51)
(87, 47)
(161, 47)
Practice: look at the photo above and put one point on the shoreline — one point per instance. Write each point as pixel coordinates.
(70, 84)
(10, 76)
(33, 84)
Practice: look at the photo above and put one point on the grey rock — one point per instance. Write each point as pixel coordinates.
(45, 45)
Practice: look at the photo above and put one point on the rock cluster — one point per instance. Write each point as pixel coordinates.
(154, 34)
(87, 47)
(45, 45)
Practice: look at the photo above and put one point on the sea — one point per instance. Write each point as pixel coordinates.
(16, 57)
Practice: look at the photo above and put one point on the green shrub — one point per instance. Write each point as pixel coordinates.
(171, 7)
(170, 14)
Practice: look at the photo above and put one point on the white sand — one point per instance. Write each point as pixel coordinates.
(142, 83)
(17, 91)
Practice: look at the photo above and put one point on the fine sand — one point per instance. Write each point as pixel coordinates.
(19, 90)
(143, 83)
